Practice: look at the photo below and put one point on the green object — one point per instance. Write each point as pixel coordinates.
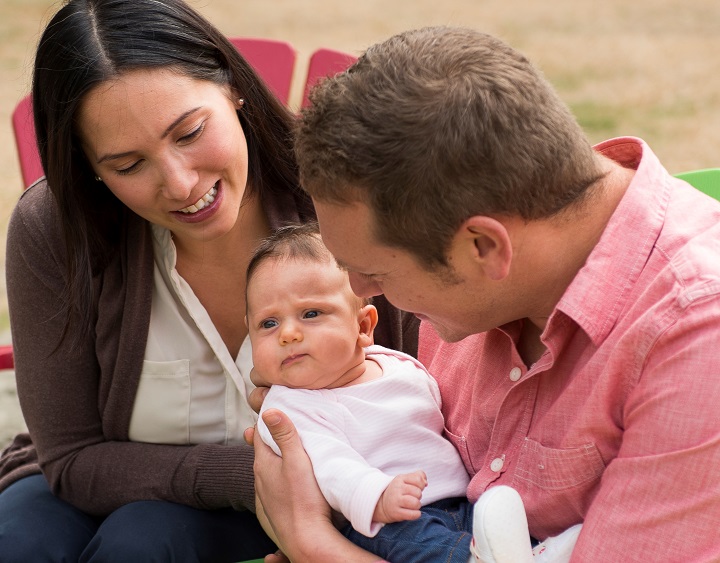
(706, 180)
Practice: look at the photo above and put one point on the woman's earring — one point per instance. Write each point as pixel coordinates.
(240, 102)
(98, 179)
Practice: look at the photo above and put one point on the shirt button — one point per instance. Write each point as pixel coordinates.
(497, 464)
(515, 374)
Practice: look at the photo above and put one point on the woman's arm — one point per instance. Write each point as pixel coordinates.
(290, 505)
(77, 396)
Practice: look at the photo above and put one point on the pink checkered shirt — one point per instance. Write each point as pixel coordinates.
(617, 425)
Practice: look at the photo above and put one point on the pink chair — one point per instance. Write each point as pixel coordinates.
(24, 129)
(273, 60)
(6, 357)
(325, 62)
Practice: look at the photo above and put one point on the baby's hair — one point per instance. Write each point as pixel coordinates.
(292, 242)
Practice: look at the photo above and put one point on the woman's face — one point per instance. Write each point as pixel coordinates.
(171, 148)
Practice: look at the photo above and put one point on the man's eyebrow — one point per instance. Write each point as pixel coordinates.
(342, 265)
(165, 134)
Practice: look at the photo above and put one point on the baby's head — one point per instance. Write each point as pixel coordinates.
(307, 327)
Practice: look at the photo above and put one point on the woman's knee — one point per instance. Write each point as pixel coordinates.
(143, 531)
(164, 531)
(35, 525)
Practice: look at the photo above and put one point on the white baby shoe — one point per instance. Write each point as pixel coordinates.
(500, 528)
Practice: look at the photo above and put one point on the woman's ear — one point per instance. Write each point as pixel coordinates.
(489, 246)
(367, 320)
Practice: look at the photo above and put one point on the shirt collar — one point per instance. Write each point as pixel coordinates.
(600, 290)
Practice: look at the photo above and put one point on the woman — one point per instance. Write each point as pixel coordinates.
(167, 160)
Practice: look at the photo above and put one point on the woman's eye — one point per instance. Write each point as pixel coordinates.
(129, 169)
(194, 134)
(268, 323)
(311, 314)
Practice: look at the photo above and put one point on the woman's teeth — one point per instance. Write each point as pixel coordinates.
(207, 199)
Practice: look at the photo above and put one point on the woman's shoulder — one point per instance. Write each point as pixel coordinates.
(37, 205)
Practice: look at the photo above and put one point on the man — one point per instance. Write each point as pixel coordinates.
(570, 296)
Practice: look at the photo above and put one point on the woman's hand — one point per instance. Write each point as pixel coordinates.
(257, 395)
(290, 505)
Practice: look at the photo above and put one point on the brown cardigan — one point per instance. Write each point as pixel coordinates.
(77, 403)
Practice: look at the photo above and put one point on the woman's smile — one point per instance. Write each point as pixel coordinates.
(204, 208)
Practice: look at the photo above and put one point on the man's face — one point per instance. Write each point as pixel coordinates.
(450, 299)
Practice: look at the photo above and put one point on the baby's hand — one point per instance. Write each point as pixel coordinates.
(401, 499)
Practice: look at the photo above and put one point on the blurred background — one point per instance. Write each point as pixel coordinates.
(648, 68)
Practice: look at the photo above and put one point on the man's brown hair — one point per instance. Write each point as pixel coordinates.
(436, 125)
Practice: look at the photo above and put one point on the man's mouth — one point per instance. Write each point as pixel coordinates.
(205, 200)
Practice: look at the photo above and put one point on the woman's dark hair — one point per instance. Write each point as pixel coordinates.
(88, 42)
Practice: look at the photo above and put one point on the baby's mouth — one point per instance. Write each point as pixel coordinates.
(205, 200)
(293, 358)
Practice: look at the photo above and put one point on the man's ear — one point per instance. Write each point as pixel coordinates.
(488, 242)
(368, 320)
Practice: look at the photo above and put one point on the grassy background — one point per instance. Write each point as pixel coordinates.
(649, 68)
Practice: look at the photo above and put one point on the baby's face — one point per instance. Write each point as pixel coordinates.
(304, 323)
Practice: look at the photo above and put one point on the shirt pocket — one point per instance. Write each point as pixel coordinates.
(460, 443)
(161, 413)
(557, 469)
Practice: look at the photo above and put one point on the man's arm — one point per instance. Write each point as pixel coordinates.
(291, 508)
(660, 497)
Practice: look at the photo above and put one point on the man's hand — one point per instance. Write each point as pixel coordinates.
(289, 502)
(401, 499)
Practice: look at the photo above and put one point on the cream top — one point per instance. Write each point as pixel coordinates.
(191, 389)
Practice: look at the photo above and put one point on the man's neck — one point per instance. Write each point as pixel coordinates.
(555, 250)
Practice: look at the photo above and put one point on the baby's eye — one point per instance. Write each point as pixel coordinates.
(268, 323)
(311, 314)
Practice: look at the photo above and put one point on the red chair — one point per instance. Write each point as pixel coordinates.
(325, 62)
(274, 61)
(24, 130)
(6, 357)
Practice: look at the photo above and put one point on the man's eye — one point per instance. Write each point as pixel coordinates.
(311, 314)
(268, 323)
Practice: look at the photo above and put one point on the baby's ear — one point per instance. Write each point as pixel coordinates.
(367, 319)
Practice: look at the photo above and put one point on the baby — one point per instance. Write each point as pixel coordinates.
(369, 417)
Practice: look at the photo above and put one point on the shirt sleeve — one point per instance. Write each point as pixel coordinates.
(659, 499)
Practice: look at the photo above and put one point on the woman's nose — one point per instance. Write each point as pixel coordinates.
(177, 179)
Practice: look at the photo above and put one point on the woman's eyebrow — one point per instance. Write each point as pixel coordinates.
(178, 120)
(165, 134)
